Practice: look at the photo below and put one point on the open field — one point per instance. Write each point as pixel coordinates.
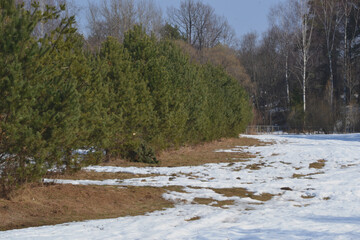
(298, 187)
(47, 204)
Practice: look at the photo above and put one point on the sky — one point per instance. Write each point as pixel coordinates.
(243, 15)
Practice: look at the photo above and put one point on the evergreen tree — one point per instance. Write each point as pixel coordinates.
(38, 97)
(130, 103)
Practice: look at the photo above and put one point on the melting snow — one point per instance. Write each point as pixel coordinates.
(309, 203)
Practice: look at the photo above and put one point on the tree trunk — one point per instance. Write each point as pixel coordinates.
(346, 49)
(331, 81)
(287, 79)
(304, 79)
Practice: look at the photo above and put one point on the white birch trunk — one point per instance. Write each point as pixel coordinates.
(304, 79)
(330, 18)
(306, 34)
(287, 79)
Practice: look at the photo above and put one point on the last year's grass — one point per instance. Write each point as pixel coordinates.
(38, 204)
(199, 154)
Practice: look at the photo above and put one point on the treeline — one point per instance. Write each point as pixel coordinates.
(306, 66)
(129, 97)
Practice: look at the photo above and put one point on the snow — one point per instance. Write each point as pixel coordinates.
(323, 203)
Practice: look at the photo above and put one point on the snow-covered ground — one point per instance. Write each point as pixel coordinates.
(309, 203)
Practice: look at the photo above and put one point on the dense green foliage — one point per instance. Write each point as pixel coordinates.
(130, 99)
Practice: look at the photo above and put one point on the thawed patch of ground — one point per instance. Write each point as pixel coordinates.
(298, 187)
(38, 205)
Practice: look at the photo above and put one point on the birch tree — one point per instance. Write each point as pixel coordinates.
(283, 19)
(305, 25)
(350, 26)
(330, 15)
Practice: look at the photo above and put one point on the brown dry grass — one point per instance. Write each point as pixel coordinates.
(243, 192)
(295, 175)
(193, 219)
(224, 203)
(205, 201)
(255, 166)
(307, 196)
(199, 154)
(319, 164)
(36, 205)
(85, 175)
(213, 202)
(53, 204)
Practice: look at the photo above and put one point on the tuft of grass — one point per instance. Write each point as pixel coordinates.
(193, 219)
(243, 193)
(307, 196)
(263, 197)
(224, 203)
(286, 163)
(213, 202)
(255, 166)
(305, 205)
(348, 165)
(295, 175)
(319, 164)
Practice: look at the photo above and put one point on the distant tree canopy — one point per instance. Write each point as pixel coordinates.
(200, 25)
(134, 96)
(115, 17)
(306, 66)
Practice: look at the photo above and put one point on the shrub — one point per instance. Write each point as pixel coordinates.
(142, 153)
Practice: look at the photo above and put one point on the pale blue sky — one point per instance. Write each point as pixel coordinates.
(243, 15)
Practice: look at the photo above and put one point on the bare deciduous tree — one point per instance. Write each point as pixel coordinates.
(351, 10)
(199, 24)
(329, 13)
(305, 26)
(115, 17)
(46, 27)
(283, 20)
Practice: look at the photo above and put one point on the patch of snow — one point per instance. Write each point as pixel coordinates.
(308, 203)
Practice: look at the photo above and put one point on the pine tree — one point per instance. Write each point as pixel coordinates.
(130, 104)
(38, 97)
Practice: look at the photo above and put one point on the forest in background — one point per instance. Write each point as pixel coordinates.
(306, 66)
(140, 81)
(67, 101)
(304, 70)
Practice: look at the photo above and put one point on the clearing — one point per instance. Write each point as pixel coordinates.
(297, 187)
